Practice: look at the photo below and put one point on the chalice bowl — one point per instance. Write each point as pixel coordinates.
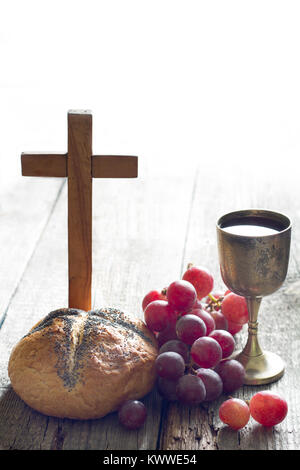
(254, 247)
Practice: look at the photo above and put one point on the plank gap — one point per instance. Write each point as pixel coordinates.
(188, 226)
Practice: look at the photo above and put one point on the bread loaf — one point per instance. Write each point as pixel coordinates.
(83, 365)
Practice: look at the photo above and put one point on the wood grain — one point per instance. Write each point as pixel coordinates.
(114, 166)
(47, 164)
(80, 209)
(56, 165)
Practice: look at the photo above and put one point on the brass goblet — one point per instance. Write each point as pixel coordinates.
(254, 248)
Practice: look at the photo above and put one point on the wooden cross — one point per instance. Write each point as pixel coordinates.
(80, 166)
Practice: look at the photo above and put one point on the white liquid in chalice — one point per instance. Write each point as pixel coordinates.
(250, 230)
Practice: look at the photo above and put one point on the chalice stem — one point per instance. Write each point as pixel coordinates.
(252, 347)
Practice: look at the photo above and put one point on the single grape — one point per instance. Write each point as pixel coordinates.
(170, 365)
(235, 413)
(234, 308)
(225, 340)
(181, 295)
(167, 334)
(190, 389)
(232, 374)
(157, 315)
(227, 292)
(167, 388)
(207, 318)
(219, 319)
(177, 346)
(150, 297)
(201, 279)
(189, 328)
(212, 382)
(268, 408)
(206, 352)
(234, 328)
(132, 414)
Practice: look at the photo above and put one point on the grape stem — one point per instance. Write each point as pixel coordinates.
(164, 291)
(213, 302)
(212, 298)
(190, 368)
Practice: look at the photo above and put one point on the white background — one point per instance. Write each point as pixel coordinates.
(172, 81)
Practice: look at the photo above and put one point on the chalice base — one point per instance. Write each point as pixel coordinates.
(262, 369)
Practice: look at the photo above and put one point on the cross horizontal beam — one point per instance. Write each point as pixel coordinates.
(44, 164)
(55, 165)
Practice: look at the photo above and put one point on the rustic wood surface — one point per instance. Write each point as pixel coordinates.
(145, 231)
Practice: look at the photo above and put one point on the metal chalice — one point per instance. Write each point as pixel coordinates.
(253, 266)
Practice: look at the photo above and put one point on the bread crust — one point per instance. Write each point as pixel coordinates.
(83, 365)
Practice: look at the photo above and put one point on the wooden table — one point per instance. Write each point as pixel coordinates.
(145, 233)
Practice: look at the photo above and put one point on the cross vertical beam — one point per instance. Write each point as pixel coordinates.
(80, 208)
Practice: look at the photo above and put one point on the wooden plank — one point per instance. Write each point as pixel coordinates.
(24, 212)
(44, 164)
(114, 166)
(80, 208)
(279, 323)
(138, 246)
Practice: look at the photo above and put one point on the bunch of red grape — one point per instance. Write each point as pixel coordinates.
(195, 337)
(196, 341)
